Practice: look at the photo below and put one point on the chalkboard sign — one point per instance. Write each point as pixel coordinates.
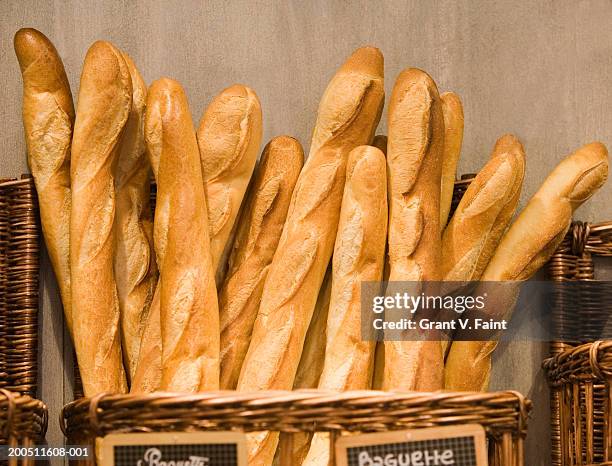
(463, 445)
(185, 448)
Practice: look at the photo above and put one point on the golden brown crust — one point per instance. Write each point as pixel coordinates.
(188, 298)
(105, 98)
(348, 116)
(229, 136)
(48, 118)
(452, 110)
(134, 262)
(548, 214)
(414, 158)
(527, 246)
(485, 211)
(344, 100)
(259, 230)
(358, 257)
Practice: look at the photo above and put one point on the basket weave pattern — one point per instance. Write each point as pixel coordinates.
(23, 422)
(502, 414)
(580, 372)
(19, 269)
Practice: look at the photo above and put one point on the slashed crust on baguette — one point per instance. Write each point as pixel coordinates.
(48, 118)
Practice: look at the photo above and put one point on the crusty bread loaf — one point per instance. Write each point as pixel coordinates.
(380, 142)
(229, 136)
(313, 354)
(189, 313)
(414, 158)
(135, 268)
(358, 257)
(48, 117)
(105, 98)
(348, 116)
(452, 110)
(484, 213)
(527, 246)
(259, 230)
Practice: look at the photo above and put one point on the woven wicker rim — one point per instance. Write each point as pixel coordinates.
(590, 361)
(293, 411)
(22, 416)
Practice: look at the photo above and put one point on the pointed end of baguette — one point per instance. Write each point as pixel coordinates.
(411, 77)
(28, 43)
(365, 60)
(284, 143)
(451, 103)
(506, 144)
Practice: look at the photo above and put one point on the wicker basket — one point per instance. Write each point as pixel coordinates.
(502, 414)
(579, 372)
(19, 269)
(23, 422)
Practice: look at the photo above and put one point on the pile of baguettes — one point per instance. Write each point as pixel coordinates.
(156, 306)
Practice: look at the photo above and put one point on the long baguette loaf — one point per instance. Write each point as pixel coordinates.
(358, 257)
(135, 268)
(452, 110)
(229, 136)
(484, 213)
(259, 231)
(105, 98)
(48, 117)
(188, 299)
(416, 139)
(527, 246)
(348, 116)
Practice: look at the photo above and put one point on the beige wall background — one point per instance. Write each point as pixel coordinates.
(539, 69)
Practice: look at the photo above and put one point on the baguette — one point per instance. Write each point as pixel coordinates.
(48, 118)
(358, 257)
(527, 246)
(452, 110)
(257, 237)
(416, 139)
(134, 262)
(188, 299)
(348, 116)
(484, 212)
(229, 136)
(105, 98)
